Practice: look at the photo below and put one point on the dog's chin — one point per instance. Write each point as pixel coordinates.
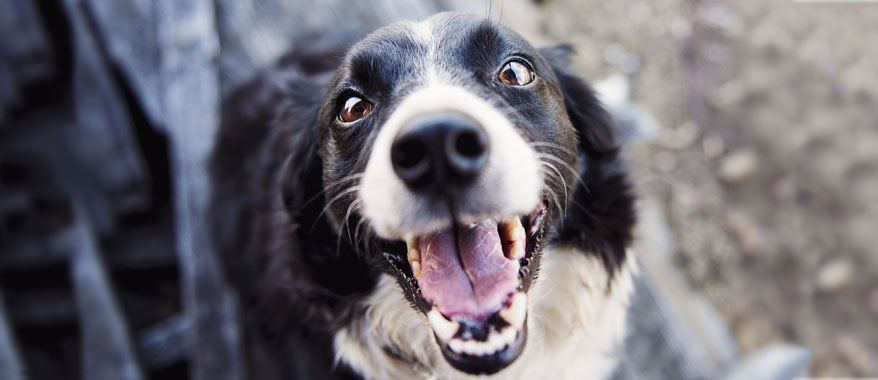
(471, 283)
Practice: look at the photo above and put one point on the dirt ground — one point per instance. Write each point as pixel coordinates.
(766, 160)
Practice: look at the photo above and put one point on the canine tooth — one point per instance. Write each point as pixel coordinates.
(414, 256)
(416, 269)
(443, 328)
(517, 310)
(513, 232)
(508, 335)
(516, 250)
(412, 243)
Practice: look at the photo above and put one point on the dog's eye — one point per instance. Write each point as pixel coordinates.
(516, 73)
(354, 109)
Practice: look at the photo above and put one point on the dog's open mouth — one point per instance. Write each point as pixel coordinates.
(471, 282)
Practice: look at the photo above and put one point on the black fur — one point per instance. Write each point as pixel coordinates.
(298, 280)
(601, 216)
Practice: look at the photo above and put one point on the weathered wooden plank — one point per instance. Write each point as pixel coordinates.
(128, 30)
(164, 343)
(102, 136)
(107, 351)
(11, 365)
(190, 99)
(24, 59)
(29, 54)
(146, 247)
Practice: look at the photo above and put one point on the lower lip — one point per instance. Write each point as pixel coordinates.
(488, 364)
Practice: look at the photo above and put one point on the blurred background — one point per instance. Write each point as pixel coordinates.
(751, 129)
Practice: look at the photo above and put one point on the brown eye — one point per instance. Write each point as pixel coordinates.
(354, 109)
(516, 73)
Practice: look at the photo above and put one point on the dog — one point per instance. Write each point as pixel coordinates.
(438, 200)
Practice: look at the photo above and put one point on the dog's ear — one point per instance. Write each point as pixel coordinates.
(600, 216)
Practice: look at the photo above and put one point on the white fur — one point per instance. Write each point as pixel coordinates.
(509, 185)
(575, 327)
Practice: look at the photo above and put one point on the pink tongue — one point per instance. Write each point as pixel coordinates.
(478, 287)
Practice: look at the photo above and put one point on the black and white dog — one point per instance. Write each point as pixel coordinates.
(439, 200)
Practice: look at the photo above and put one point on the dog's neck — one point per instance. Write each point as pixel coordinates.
(576, 324)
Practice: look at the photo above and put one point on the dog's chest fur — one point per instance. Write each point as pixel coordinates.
(576, 324)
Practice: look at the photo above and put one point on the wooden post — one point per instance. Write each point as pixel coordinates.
(190, 98)
(107, 352)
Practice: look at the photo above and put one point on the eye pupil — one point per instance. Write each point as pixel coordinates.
(516, 73)
(354, 108)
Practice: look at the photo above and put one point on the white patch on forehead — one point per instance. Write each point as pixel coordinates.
(425, 33)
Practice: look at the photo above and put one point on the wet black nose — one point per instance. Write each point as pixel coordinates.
(439, 149)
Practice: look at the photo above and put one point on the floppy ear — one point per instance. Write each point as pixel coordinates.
(600, 216)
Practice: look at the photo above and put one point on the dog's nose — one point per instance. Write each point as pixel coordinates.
(439, 149)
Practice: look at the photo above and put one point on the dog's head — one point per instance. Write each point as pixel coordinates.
(451, 150)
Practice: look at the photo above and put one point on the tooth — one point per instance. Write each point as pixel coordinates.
(443, 328)
(470, 347)
(517, 310)
(507, 336)
(516, 250)
(411, 242)
(414, 256)
(494, 342)
(481, 349)
(456, 345)
(513, 231)
(416, 268)
(510, 336)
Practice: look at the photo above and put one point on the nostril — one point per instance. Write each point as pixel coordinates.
(466, 152)
(408, 154)
(469, 144)
(411, 162)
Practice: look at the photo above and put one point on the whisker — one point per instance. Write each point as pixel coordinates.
(551, 145)
(557, 202)
(560, 177)
(357, 206)
(345, 222)
(330, 186)
(328, 204)
(357, 233)
(565, 165)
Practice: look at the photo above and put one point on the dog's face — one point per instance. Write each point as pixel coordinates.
(448, 155)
